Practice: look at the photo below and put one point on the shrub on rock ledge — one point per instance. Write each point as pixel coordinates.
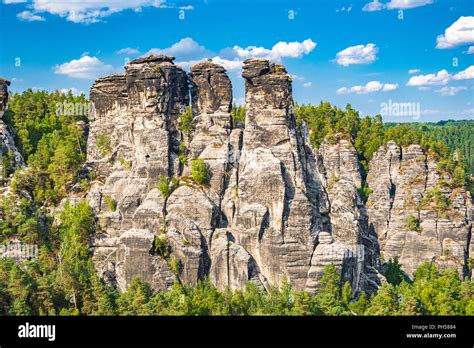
(200, 171)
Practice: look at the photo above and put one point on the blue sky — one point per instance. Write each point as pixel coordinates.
(361, 52)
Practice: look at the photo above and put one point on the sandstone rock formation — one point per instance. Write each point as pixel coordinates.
(274, 208)
(408, 185)
(133, 139)
(7, 144)
(341, 175)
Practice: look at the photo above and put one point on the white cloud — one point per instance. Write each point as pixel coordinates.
(407, 4)
(394, 5)
(292, 49)
(29, 17)
(470, 50)
(373, 6)
(460, 32)
(14, 1)
(277, 52)
(89, 11)
(389, 87)
(128, 50)
(440, 78)
(185, 48)
(187, 64)
(189, 52)
(307, 84)
(83, 68)
(414, 71)
(466, 74)
(372, 86)
(228, 64)
(450, 91)
(359, 54)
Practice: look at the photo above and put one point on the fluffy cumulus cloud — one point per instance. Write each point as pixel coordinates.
(414, 71)
(373, 6)
(276, 53)
(470, 50)
(460, 32)
(185, 48)
(407, 4)
(89, 11)
(442, 77)
(228, 64)
(376, 5)
(83, 68)
(29, 17)
(359, 54)
(450, 91)
(370, 87)
(466, 74)
(128, 50)
(188, 52)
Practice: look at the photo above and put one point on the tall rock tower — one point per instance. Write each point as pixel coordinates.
(8, 149)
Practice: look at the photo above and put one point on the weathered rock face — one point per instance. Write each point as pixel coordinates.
(211, 99)
(272, 216)
(7, 144)
(341, 177)
(273, 207)
(3, 94)
(232, 266)
(415, 215)
(133, 139)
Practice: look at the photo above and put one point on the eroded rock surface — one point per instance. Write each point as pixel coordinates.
(7, 143)
(273, 208)
(133, 140)
(415, 214)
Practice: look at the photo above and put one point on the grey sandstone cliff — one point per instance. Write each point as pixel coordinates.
(133, 139)
(7, 144)
(408, 185)
(274, 207)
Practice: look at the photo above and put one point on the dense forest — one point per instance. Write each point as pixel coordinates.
(62, 279)
(457, 135)
(450, 147)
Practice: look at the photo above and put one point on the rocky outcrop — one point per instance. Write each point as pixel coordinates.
(273, 207)
(272, 215)
(8, 150)
(415, 213)
(133, 140)
(341, 176)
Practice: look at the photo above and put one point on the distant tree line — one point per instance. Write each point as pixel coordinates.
(449, 143)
